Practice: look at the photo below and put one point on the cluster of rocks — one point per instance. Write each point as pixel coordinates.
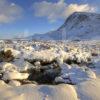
(52, 65)
(40, 72)
(9, 74)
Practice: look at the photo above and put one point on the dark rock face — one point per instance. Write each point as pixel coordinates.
(45, 74)
(83, 17)
(44, 77)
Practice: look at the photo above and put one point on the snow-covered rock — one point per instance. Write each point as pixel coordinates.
(75, 75)
(15, 75)
(14, 83)
(8, 67)
(89, 90)
(38, 92)
(44, 55)
(22, 65)
(15, 53)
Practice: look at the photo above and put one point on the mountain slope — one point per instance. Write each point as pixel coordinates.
(79, 25)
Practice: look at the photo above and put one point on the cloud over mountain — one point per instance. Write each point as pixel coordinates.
(59, 10)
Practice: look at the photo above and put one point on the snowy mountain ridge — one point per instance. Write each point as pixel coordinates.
(79, 25)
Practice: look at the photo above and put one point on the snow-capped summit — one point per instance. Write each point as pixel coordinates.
(79, 25)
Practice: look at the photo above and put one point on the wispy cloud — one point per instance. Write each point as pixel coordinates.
(59, 10)
(9, 11)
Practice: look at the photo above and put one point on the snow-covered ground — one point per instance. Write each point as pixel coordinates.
(50, 70)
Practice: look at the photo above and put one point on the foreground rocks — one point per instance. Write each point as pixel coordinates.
(49, 72)
(54, 65)
(55, 72)
(89, 90)
(37, 92)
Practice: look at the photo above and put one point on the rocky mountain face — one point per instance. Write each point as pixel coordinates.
(79, 25)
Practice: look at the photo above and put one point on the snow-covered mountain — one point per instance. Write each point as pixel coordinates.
(79, 25)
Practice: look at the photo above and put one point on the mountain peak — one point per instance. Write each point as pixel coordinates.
(79, 25)
(82, 16)
(76, 18)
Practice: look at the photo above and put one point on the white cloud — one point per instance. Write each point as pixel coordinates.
(9, 11)
(59, 10)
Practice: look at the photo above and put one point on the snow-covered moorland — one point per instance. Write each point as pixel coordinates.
(49, 70)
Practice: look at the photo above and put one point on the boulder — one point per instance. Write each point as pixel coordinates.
(15, 76)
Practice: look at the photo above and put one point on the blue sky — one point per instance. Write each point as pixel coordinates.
(19, 18)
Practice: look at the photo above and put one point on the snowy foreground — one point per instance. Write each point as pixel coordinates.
(39, 70)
